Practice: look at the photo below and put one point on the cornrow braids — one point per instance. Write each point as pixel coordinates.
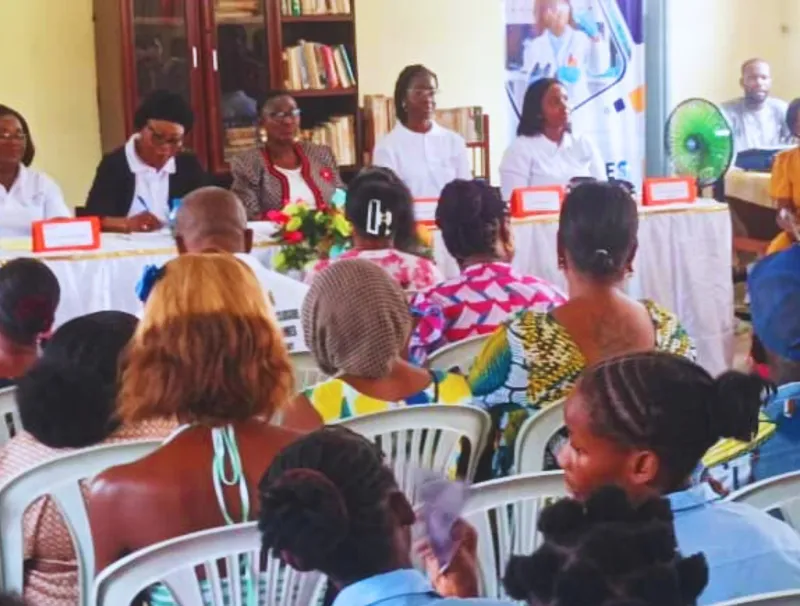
(607, 552)
(401, 88)
(671, 406)
(323, 500)
(470, 215)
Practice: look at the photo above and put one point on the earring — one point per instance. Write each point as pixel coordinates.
(562, 263)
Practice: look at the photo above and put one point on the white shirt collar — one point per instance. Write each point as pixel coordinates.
(137, 165)
(435, 129)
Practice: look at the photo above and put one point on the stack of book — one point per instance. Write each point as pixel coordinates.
(310, 65)
(230, 10)
(239, 139)
(297, 8)
(339, 133)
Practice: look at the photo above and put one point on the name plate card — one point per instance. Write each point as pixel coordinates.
(673, 190)
(425, 210)
(66, 234)
(529, 201)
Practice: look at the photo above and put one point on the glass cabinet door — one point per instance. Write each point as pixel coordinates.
(240, 76)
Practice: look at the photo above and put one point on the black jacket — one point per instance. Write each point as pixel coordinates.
(114, 183)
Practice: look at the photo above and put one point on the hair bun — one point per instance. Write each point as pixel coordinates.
(602, 262)
(735, 405)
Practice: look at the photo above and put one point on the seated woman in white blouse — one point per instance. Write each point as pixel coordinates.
(545, 151)
(26, 195)
(423, 154)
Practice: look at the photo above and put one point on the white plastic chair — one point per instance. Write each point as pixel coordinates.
(782, 598)
(424, 437)
(60, 479)
(534, 436)
(173, 563)
(306, 371)
(458, 355)
(505, 512)
(10, 423)
(780, 492)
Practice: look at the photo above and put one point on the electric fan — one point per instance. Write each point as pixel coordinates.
(699, 141)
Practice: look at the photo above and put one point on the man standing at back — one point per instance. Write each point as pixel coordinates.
(212, 219)
(758, 120)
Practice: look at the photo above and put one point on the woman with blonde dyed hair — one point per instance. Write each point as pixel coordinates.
(208, 352)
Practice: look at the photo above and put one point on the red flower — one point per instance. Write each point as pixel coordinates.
(277, 216)
(326, 173)
(293, 237)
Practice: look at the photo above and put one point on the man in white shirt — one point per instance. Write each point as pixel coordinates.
(758, 120)
(211, 219)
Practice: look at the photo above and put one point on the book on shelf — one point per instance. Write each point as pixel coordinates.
(236, 9)
(315, 66)
(239, 139)
(339, 133)
(299, 8)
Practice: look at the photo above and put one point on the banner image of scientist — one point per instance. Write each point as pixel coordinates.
(595, 48)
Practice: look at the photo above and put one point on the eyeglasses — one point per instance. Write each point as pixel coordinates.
(161, 140)
(418, 94)
(17, 136)
(292, 114)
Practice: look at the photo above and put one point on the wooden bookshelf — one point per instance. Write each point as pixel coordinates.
(317, 19)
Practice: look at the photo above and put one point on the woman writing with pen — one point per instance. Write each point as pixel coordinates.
(135, 183)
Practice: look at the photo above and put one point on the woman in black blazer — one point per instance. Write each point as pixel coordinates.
(134, 185)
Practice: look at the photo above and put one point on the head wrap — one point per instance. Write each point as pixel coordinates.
(774, 289)
(356, 319)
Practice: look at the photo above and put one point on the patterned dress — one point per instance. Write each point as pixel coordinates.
(531, 362)
(51, 574)
(413, 273)
(477, 302)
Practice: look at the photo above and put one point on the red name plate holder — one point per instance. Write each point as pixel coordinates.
(425, 211)
(55, 235)
(671, 190)
(532, 201)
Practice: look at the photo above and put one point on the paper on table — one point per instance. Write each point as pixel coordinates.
(67, 234)
(671, 190)
(16, 244)
(541, 200)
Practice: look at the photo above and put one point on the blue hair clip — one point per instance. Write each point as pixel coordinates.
(150, 276)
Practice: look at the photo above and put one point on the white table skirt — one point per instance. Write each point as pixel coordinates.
(683, 263)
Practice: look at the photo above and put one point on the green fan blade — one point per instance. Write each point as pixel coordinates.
(699, 141)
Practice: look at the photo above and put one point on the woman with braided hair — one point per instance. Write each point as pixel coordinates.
(477, 233)
(643, 422)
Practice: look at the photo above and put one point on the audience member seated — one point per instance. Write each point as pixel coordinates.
(477, 233)
(424, 155)
(68, 401)
(216, 362)
(10, 599)
(26, 195)
(329, 503)
(643, 422)
(774, 287)
(381, 210)
(286, 169)
(357, 325)
(29, 296)
(784, 184)
(546, 152)
(534, 359)
(211, 219)
(136, 183)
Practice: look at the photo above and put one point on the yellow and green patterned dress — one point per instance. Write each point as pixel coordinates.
(335, 400)
(531, 362)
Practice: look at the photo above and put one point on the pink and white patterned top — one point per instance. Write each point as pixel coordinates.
(476, 303)
(413, 273)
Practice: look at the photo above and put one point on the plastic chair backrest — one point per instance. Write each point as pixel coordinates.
(10, 422)
(173, 563)
(781, 598)
(306, 371)
(59, 479)
(458, 355)
(505, 512)
(424, 437)
(780, 492)
(534, 436)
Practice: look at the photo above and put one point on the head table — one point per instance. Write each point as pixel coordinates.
(683, 263)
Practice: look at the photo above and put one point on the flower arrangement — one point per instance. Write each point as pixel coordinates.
(308, 234)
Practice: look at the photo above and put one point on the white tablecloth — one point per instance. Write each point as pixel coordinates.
(683, 263)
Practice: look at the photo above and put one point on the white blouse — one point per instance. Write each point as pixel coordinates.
(33, 197)
(426, 162)
(299, 190)
(151, 193)
(534, 161)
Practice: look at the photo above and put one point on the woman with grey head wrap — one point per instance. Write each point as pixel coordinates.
(357, 324)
